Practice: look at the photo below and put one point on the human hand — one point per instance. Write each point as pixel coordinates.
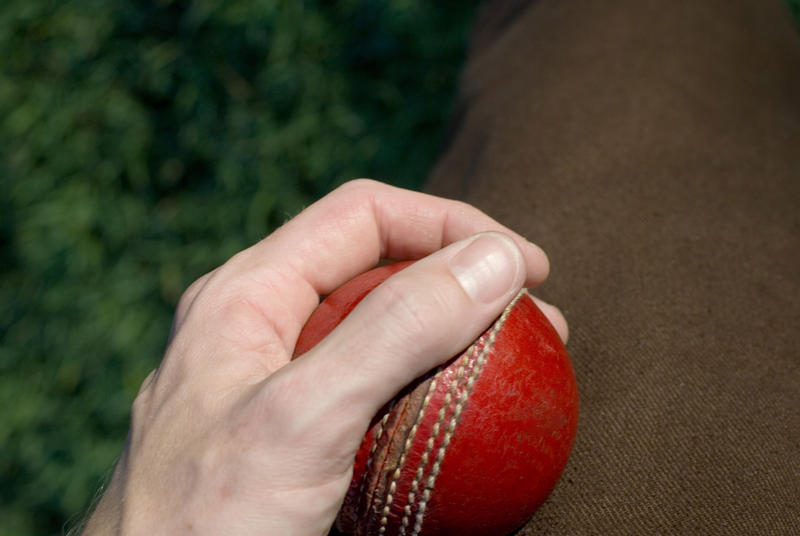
(229, 436)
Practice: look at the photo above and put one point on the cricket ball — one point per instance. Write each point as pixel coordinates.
(473, 447)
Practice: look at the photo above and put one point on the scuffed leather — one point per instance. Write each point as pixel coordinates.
(507, 447)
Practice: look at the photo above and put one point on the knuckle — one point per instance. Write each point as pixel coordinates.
(239, 261)
(145, 393)
(359, 185)
(289, 404)
(358, 194)
(278, 393)
(138, 408)
(411, 309)
(141, 402)
(191, 293)
(250, 323)
(147, 383)
(280, 404)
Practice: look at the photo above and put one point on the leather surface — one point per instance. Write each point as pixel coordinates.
(473, 447)
(515, 435)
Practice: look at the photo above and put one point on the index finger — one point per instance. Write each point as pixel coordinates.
(346, 233)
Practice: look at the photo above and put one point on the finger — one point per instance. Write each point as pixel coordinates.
(556, 318)
(186, 301)
(346, 233)
(365, 221)
(412, 322)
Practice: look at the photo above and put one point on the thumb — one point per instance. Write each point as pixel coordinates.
(412, 322)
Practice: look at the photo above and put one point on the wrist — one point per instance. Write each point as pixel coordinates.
(105, 515)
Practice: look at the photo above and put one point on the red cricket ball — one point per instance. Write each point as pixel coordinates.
(473, 447)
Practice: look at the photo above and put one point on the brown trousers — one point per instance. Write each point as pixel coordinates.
(653, 149)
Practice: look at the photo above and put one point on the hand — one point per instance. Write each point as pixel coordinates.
(228, 436)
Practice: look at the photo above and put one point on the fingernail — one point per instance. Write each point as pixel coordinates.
(487, 267)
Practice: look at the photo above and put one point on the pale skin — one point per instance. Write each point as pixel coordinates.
(229, 436)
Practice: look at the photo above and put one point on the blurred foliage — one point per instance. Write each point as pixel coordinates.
(794, 6)
(144, 142)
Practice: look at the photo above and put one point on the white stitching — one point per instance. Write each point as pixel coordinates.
(406, 449)
(479, 363)
(378, 433)
(414, 491)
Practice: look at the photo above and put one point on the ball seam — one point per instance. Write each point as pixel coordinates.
(406, 448)
(460, 403)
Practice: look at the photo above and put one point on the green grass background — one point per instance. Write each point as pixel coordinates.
(144, 142)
